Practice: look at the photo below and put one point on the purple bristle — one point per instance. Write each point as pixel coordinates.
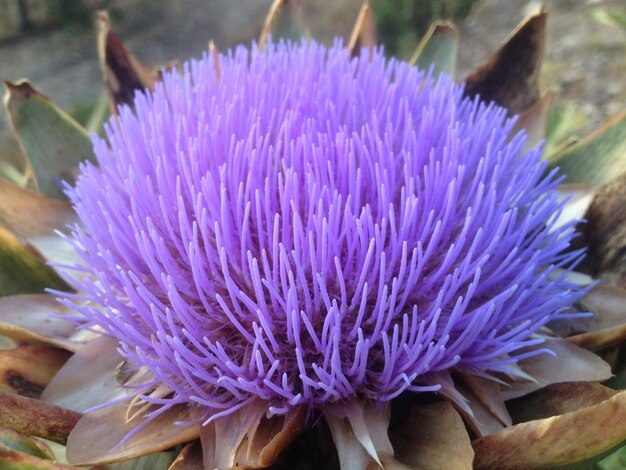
(307, 228)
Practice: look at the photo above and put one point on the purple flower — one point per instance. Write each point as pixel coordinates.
(303, 228)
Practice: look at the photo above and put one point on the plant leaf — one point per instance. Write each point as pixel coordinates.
(190, 458)
(511, 76)
(570, 364)
(21, 272)
(608, 325)
(579, 198)
(28, 214)
(438, 48)
(34, 218)
(352, 455)
(615, 18)
(99, 115)
(607, 305)
(36, 418)
(14, 441)
(534, 121)
(276, 15)
(58, 253)
(16, 176)
(605, 232)
(368, 422)
(489, 394)
(558, 399)
(597, 158)
(88, 378)
(476, 414)
(157, 461)
(364, 31)
(432, 436)
(222, 438)
(270, 438)
(12, 460)
(477, 400)
(564, 125)
(564, 439)
(123, 73)
(53, 142)
(97, 436)
(36, 318)
(26, 370)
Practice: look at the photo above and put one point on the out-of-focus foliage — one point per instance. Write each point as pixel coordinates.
(615, 17)
(400, 23)
(31, 16)
(613, 461)
(564, 126)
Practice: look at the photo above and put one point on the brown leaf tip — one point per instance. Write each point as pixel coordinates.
(22, 89)
(511, 76)
(364, 31)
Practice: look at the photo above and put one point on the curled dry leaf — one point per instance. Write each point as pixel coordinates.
(475, 403)
(34, 218)
(36, 418)
(222, 438)
(246, 438)
(28, 214)
(360, 424)
(89, 378)
(26, 370)
(97, 436)
(190, 458)
(564, 439)
(123, 73)
(569, 364)
(511, 76)
(363, 34)
(607, 327)
(601, 338)
(30, 318)
(605, 231)
(558, 399)
(489, 394)
(479, 418)
(432, 436)
(270, 439)
(352, 455)
(475, 413)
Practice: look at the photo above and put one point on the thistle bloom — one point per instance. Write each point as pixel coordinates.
(298, 227)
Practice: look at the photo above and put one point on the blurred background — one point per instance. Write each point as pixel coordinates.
(52, 42)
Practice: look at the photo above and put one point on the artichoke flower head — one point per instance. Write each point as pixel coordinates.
(291, 234)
